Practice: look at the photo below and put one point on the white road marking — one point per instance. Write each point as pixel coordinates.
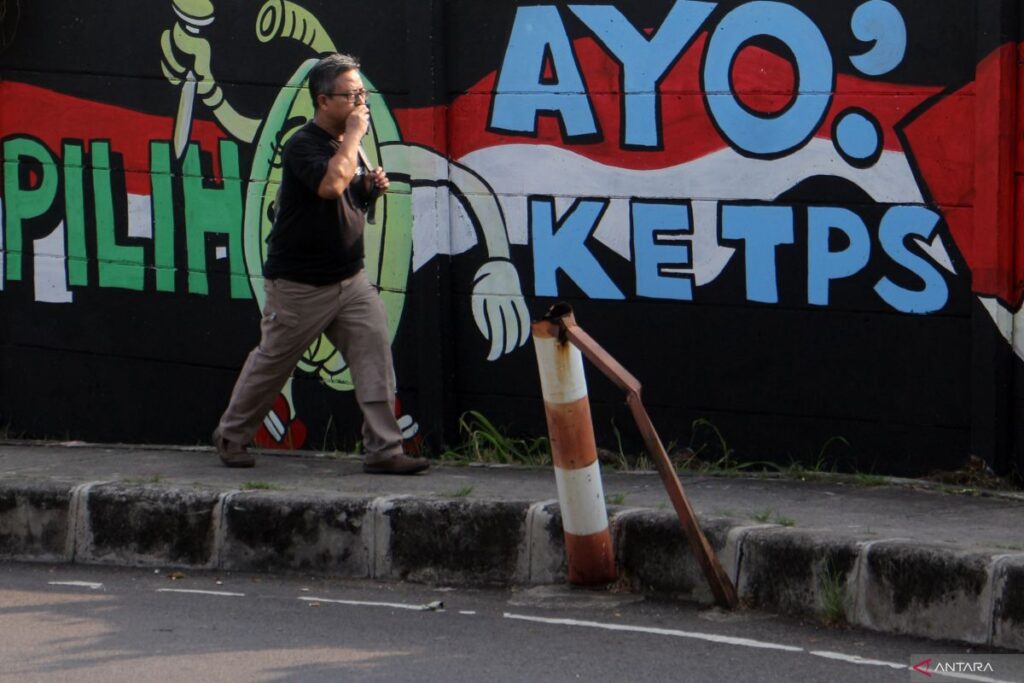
(742, 642)
(710, 637)
(466, 611)
(199, 592)
(857, 659)
(78, 584)
(854, 659)
(429, 607)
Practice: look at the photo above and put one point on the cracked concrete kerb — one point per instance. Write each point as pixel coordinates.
(910, 588)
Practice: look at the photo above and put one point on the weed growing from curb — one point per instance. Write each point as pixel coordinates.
(834, 599)
(766, 517)
(1017, 547)
(155, 479)
(725, 464)
(259, 486)
(459, 493)
(485, 443)
(870, 479)
(616, 498)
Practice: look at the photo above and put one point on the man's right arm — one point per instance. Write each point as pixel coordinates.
(342, 167)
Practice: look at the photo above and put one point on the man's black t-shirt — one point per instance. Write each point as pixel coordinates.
(316, 241)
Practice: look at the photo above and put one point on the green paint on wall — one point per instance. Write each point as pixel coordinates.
(120, 266)
(214, 210)
(163, 214)
(74, 216)
(24, 203)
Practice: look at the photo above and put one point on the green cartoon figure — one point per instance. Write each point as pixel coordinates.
(497, 302)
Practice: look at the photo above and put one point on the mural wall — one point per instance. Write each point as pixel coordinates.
(796, 221)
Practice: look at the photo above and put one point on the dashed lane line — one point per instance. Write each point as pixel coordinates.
(77, 584)
(741, 642)
(200, 592)
(428, 607)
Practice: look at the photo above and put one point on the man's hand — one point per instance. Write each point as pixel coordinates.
(358, 122)
(377, 182)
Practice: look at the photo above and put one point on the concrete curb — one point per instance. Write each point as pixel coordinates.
(888, 585)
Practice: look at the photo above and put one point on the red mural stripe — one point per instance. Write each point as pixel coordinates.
(1020, 109)
(763, 78)
(52, 117)
(993, 243)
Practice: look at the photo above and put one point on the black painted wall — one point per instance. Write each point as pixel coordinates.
(809, 256)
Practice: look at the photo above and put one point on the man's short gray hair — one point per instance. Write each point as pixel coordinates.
(326, 71)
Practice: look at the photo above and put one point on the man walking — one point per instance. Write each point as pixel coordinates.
(314, 277)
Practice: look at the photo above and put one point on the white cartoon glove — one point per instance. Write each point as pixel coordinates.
(498, 307)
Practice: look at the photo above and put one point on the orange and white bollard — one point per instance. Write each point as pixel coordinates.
(588, 541)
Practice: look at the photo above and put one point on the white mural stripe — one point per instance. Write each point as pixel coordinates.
(724, 175)
(49, 265)
(937, 251)
(1010, 325)
(140, 216)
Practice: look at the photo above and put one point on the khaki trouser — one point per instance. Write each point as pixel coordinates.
(352, 316)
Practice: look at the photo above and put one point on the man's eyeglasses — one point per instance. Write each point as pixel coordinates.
(350, 95)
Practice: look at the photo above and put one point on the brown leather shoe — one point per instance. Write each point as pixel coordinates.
(395, 464)
(232, 454)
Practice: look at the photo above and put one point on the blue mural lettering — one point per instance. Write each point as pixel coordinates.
(658, 228)
(751, 133)
(644, 61)
(879, 22)
(825, 265)
(762, 229)
(522, 93)
(899, 223)
(562, 246)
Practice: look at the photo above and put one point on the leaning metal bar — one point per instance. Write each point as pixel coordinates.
(588, 543)
(721, 585)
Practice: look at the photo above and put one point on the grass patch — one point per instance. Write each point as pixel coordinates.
(259, 486)
(483, 442)
(616, 498)
(155, 479)
(870, 479)
(834, 599)
(772, 517)
(623, 462)
(1019, 547)
(709, 453)
(459, 493)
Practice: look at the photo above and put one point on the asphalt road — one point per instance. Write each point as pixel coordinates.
(88, 624)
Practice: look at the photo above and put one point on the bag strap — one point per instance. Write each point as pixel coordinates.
(371, 209)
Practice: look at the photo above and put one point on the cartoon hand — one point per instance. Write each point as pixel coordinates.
(498, 307)
(177, 46)
(184, 43)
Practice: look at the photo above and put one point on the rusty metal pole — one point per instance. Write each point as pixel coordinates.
(588, 541)
(721, 585)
